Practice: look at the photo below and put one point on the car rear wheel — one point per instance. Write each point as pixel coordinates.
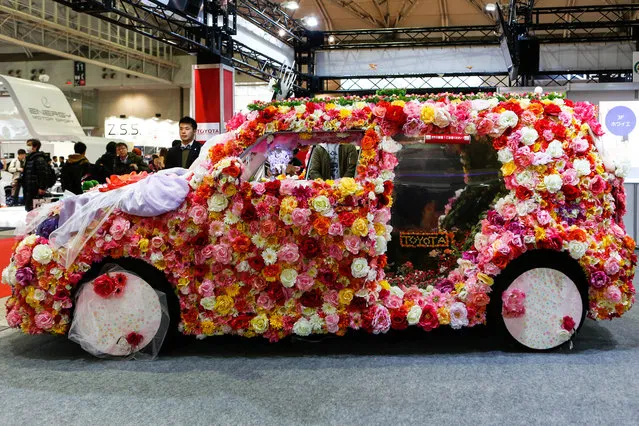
(541, 300)
(124, 308)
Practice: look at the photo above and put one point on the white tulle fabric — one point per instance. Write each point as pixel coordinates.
(100, 325)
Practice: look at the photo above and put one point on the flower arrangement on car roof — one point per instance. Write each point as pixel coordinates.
(289, 256)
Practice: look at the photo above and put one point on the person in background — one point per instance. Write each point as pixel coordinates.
(55, 161)
(16, 167)
(106, 163)
(61, 162)
(75, 169)
(186, 151)
(127, 162)
(333, 161)
(34, 176)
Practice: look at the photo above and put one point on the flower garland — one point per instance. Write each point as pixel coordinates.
(288, 256)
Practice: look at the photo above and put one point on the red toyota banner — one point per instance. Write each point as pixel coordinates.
(212, 98)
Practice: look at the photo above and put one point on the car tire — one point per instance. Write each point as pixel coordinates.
(157, 280)
(555, 286)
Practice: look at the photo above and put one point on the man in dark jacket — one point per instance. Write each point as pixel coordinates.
(188, 149)
(127, 162)
(333, 161)
(106, 163)
(76, 167)
(34, 177)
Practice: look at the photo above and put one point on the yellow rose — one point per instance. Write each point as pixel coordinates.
(329, 106)
(143, 244)
(260, 323)
(183, 282)
(344, 113)
(485, 279)
(345, 296)
(398, 103)
(288, 205)
(208, 327)
(360, 227)
(540, 233)
(443, 316)
(348, 186)
(459, 287)
(230, 190)
(384, 284)
(233, 290)
(224, 304)
(283, 109)
(380, 229)
(428, 114)
(508, 168)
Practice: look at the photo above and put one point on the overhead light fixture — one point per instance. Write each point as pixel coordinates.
(290, 5)
(331, 39)
(490, 7)
(310, 21)
(281, 32)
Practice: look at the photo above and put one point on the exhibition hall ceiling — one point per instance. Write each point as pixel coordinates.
(359, 14)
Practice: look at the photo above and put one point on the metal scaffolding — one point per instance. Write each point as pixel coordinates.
(45, 26)
(270, 18)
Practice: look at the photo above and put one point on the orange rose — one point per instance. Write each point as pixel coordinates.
(321, 225)
(271, 272)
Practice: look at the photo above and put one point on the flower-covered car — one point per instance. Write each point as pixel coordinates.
(463, 209)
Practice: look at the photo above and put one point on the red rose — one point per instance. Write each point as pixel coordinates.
(310, 107)
(552, 109)
(242, 244)
(500, 260)
(388, 188)
(552, 242)
(240, 322)
(523, 193)
(568, 323)
(271, 272)
(396, 114)
(256, 262)
(267, 114)
(273, 187)
(134, 339)
(104, 286)
(311, 299)
(571, 192)
(428, 320)
(398, 319)
(249, 212)
(512, 106)
(309, 247)
(358, 304)
(347, 218)
(499, 143)
(233, 170)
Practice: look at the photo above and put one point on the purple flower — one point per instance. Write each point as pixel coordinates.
(599, 279)
(495, 218)
(25, 275)
(516, 228)
(47, 227)
(470, 255)
(445, 285)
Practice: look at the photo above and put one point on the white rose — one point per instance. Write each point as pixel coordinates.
(470, 129)
(541, 158)
(243, 266)
(260, 323)
(321, 204)
(39, 294)
(553, 183)
(329, 309)
(414, 314)
(442, 117)
(505, 155)
(396, 291)
(528, 135)
(56, 273)
(30, 240)
(508, 119)
(288, 277)
(555, 149)
(316, 322)
(479, 104)
(208, 303)
(42, 254)
(387, 175)
(9, 275)
(359, 267)
(217, 203)
(622, 168)
(577, 249)
(389, 145)
(582, 167)
(302, 327)
(525, 178)
(380, 245)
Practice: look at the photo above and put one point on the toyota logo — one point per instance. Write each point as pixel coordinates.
(45, 102)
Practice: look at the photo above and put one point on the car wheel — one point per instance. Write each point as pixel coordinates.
(540, 300)
(139, 318)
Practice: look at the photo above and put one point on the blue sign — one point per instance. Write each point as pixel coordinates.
(620, 121)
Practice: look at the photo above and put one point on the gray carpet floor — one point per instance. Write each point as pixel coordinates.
(403, 378)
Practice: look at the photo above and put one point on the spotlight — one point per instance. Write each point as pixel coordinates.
(490, 7)
(290, 5)
(331, 39)
(281, 32)
(310, 21)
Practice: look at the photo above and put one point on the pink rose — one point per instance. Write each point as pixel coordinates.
(485, 126)
(119, 226)
(613, 294)
(597, 185)
(528, 117)
(222, 253)
(617, 230)
(14, 318)
(259, 188)
(389, 161)
(491, 269)
(611, 266)
(332, 323)
(335, 252)
(524, 157)
(579, 145)
(509, 212)
(257, 283)
(156, 242)
(331, 297)
(288, 253)
(543, 217)
(304, 282)
(392, 302)
(381, 320)
(352, 243)
(548, 135)
(206, 288)
(268, 227)
(379, 111)
(44, 320)
(287, 186)
(208, 251)
(23, 256)
(216, 228)
(336, 229)
(300, 216)
(569, 177)
(265, 302)
(198, 214)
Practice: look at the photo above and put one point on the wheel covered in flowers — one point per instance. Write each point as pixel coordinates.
(541, 300)
(122, 310)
